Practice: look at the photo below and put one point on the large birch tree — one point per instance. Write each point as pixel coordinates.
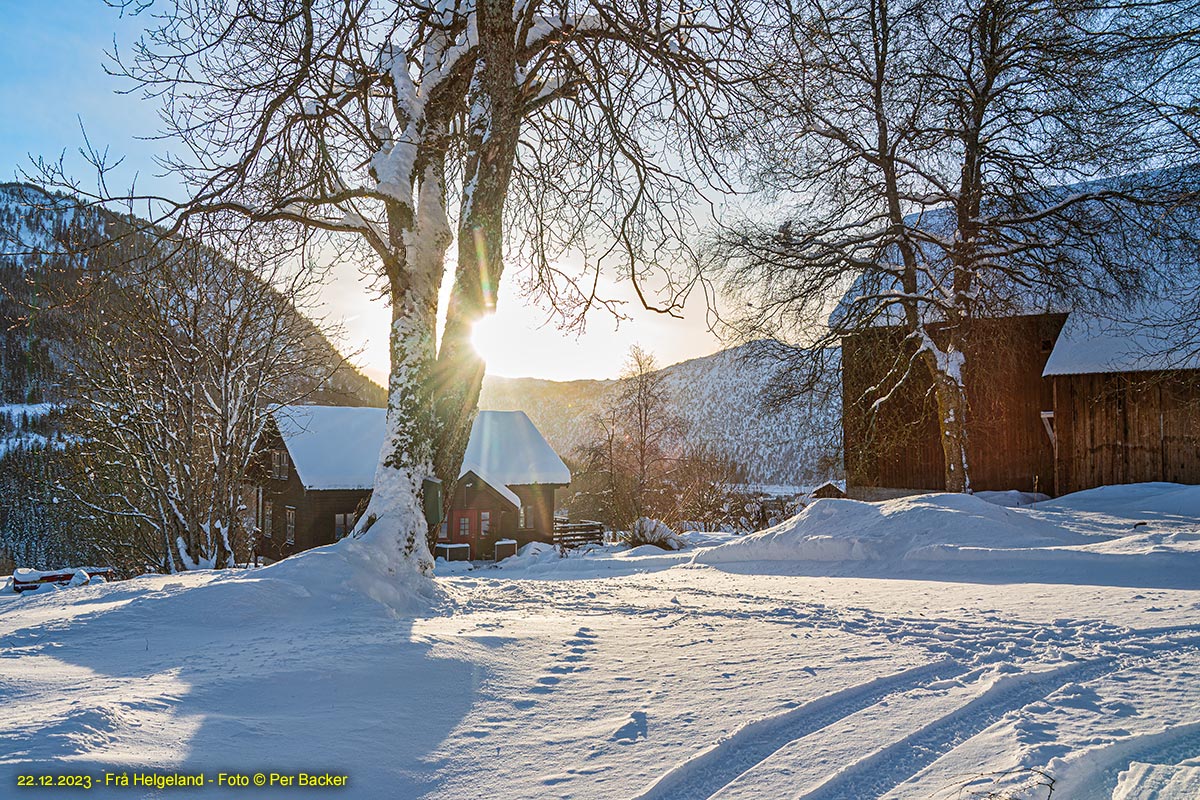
(405, 129)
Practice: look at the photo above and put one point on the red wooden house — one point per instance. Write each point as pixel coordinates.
(316, 465)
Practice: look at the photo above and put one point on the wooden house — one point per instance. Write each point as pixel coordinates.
(315, 466)
(1126, 400)
(828, 489)
(1057, 403)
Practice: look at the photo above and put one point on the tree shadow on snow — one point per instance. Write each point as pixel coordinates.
(248, 675)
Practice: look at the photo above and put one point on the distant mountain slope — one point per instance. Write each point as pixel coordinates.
(36, 338)
(719, 396)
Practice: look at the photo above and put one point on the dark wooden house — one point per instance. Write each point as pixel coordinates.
(315, 466)
(1058, 403)
(828, 489)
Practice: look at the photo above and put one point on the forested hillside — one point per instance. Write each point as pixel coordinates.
(720, 399)
(52, 290)
(46, 264)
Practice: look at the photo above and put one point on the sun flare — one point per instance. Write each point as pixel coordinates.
(489, 337)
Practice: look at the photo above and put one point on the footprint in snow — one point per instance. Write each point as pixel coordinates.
(577, 649)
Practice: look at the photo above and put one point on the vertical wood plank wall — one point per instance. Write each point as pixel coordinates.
(1127, 428)
(1008, 447)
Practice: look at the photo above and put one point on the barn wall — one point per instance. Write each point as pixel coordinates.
(898, 447)
(1127, 428)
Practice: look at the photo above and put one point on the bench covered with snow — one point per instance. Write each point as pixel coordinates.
(28, 579)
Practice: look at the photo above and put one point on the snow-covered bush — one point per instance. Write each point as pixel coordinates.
(655, 532)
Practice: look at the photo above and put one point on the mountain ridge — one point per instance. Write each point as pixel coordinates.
(38, 231)
(719, 397)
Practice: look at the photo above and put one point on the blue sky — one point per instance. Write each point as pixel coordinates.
(52, 76)
(52, 79)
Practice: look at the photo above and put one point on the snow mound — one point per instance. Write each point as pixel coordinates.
(530, 555)
(1012, 498)
(1151, 781)
(1133, 500)
(371, 565)
(917, 527)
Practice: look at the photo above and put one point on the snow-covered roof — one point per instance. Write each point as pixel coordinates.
(506, 446)
(871, 298)
(1150, 337)
(333, 447)
(337, 447)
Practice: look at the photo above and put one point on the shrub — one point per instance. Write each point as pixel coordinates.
(655, 532)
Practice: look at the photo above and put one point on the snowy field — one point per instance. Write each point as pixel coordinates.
(935, 647)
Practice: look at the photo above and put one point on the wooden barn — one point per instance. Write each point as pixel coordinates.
(1058, 403)
(1126, 406)
(315, 466)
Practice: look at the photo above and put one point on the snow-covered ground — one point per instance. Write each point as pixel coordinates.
(930, 647)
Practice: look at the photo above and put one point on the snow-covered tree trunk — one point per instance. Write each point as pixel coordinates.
(946, 365)
(395, 514)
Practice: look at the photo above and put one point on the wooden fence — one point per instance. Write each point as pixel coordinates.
(568, 535)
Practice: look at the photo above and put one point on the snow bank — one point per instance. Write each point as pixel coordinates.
(1133, 500)
(1145, 535)
(851, 530)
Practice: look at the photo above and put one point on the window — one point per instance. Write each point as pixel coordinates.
(268, 508)
(279, 465)
(522, 517)
(485, 522)
(443, 533)
(290, 524)
(464, 526)
(343, 524)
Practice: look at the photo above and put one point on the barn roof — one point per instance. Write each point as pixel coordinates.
(337, 447)
(1149, 240)
(1150, 337)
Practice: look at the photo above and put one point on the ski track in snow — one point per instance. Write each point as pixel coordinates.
(890, 766)
(962, 647)
(708, 772)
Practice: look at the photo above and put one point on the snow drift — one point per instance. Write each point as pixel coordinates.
(1147, 533)
(851, 530)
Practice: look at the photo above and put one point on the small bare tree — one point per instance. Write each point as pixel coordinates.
(637, 437)
(707, 488)
(183, 356)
